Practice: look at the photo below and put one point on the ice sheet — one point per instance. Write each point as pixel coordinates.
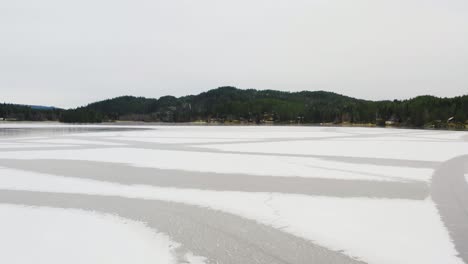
(369, 229)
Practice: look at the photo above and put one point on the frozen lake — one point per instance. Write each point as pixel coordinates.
(222, 194)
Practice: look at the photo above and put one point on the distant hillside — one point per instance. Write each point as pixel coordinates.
(232, 105)
(42, 107)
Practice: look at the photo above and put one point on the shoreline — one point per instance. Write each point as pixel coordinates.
(228, 124)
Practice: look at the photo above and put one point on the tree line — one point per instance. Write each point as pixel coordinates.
(16, 112)
(232, 105)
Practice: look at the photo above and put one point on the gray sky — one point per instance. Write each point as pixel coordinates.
(69, 53)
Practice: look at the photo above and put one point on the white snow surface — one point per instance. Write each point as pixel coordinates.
(46, 235)
(369, 229)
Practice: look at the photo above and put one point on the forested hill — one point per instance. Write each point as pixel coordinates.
(15, 112)
(232, 105)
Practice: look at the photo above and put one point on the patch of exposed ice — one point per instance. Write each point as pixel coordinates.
(177, 140)
(28, 145)
(76, 142)
(190, 258)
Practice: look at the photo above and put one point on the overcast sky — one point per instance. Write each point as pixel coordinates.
(70, 53)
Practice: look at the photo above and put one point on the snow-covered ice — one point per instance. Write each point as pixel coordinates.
(232, 163)
(388, 231)
(370, 229)
(371, 147)
(50, 235)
